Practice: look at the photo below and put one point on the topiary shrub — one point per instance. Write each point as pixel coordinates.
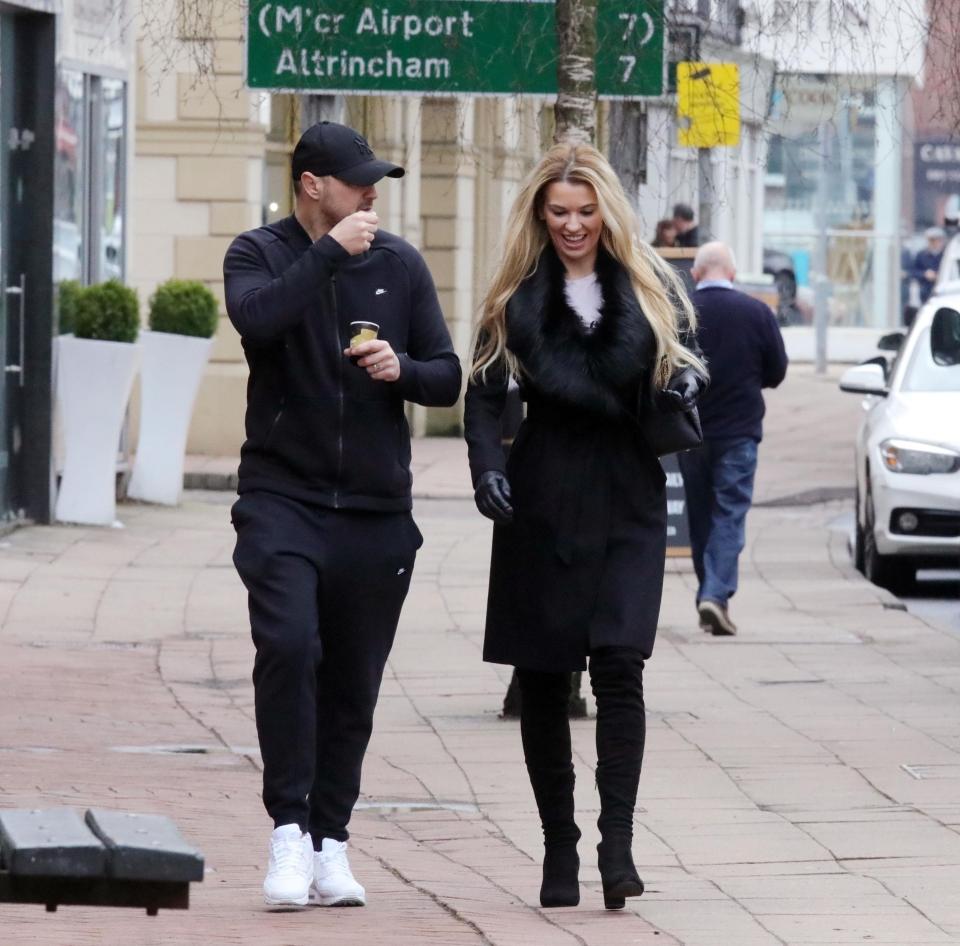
(108, 312)
(184, 307)
(66, 305)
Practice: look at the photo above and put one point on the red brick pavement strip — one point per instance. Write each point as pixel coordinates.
(776, 808)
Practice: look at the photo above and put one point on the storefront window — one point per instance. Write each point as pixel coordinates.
(112, 143)
(283, 134)
(89, 175)
(821, 167)
(70, 144)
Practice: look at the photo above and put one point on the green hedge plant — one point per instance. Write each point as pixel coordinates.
(107, 312)
(67, 291)
(184, 307)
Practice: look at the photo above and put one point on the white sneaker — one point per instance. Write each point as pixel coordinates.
(333, 883)
(290, 871)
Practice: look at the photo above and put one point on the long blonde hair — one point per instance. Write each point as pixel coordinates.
(659, 290)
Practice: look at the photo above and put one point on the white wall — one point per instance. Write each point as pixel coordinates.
(96, 33)
(841, 37)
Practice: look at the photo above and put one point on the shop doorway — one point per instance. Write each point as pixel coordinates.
(26, 212)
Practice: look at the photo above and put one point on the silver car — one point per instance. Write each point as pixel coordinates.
(908, 451)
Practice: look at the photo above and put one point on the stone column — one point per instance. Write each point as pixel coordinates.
(448, 185)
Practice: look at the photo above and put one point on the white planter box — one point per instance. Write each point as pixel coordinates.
(169, 379)
(94, 379)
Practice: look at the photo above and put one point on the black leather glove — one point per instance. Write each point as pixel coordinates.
(682, 391)
(492, 496)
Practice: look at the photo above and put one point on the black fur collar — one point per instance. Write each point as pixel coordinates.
(599, 371)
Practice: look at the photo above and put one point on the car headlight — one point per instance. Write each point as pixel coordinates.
(909, 456)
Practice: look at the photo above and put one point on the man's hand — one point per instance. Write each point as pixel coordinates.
(378, 358)
(492, 497)
(356, 232)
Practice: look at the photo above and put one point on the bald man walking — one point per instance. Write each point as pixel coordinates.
(744, 349)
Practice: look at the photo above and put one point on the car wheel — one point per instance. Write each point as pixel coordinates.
(857, 534)
(887, 571)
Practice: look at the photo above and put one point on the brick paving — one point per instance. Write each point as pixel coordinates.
(800, 784)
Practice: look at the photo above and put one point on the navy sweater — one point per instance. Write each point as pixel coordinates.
(741, 341)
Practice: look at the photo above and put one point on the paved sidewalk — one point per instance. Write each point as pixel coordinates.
(800, 784)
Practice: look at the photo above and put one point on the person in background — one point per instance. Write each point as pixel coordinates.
(685, 222)
(744, 351)
(908, 310)
(666, 234)
(926, 264)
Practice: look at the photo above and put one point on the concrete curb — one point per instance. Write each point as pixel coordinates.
(808, 497)
(227, 482)
(219, 482)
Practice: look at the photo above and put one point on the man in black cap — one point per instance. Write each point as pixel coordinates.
(325, 539)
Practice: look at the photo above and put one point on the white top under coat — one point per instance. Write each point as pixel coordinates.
(586, 299)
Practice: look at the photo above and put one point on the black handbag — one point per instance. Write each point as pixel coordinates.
(671, 432)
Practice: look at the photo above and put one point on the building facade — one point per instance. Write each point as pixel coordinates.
(212, 159)
(65, 73)
(841, 124)
(710, 31)
(935, 197)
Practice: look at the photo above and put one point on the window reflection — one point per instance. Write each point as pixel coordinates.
(111, 176)
(70, 143)
(89, 172)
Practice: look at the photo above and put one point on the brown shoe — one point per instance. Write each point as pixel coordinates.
(715, 619)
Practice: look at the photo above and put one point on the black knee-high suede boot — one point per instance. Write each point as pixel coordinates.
(616, 676)
(545, 731)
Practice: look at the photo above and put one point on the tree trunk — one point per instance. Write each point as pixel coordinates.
(628, 145)
(576, 108)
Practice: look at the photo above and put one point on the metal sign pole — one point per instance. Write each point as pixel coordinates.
(821, 312)
(706, 195)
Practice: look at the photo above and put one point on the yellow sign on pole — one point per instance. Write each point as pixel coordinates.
(708, 104)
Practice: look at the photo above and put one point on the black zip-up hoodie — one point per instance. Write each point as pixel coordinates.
(319, 429)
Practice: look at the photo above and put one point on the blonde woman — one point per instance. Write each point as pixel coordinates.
(588, 320)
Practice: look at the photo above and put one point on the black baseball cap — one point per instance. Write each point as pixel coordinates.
(329, 148)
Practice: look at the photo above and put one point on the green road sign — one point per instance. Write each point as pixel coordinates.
(437, 47)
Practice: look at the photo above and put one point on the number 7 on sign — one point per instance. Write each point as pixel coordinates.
(628, 63)
(630, 19)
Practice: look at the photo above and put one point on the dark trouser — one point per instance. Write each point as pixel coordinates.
(616, 676)
(325, 592)
(718, 481)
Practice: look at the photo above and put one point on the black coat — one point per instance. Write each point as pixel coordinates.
(581, 565)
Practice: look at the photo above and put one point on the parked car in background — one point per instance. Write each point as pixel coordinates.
(907, 452)
(950, 263)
